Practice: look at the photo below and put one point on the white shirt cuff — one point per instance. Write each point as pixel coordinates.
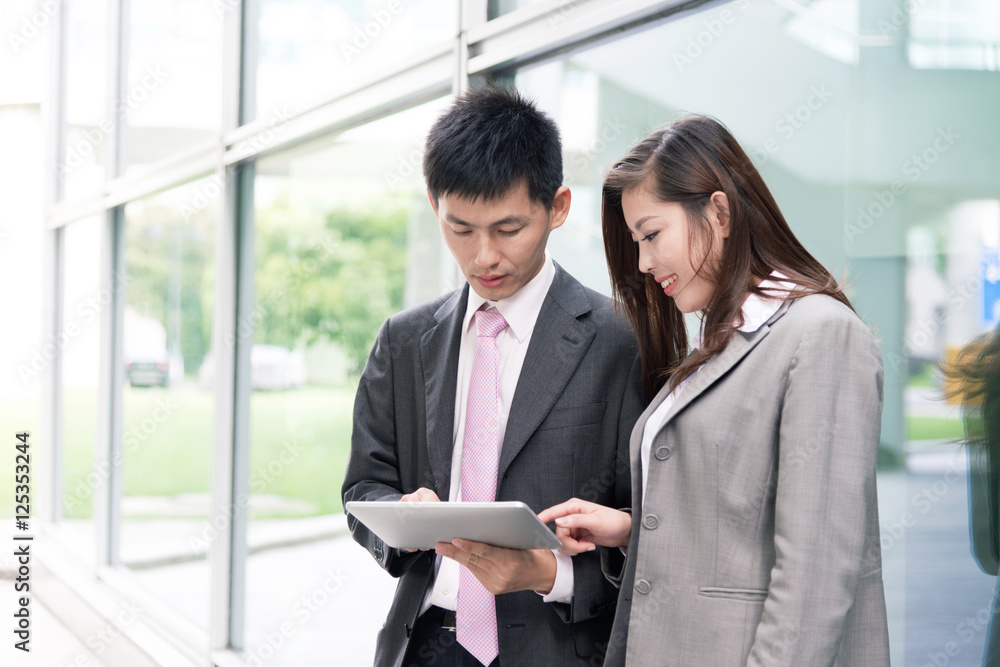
(562, 589)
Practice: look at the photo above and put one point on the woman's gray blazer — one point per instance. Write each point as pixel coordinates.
(758, 542)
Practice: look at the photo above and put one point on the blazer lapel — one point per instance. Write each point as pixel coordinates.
(712, 371)
(439, 348)
(558, 344)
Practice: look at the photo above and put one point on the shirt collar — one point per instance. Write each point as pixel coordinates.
(519, 309)
(759, 308)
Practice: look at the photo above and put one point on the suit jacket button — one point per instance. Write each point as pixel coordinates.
(662, 453)
(650, 521)
(642, 586)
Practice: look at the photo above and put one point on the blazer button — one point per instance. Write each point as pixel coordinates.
(642, 586)
(662, 453)
(650, 521)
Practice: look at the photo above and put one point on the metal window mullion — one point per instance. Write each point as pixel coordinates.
(108, 454)
(50, 444)
(231, 350)
(55, 122)
(234, 260)
(117, 84)
(232, 57)
(469, 14)
(248, 63)
(246, 266)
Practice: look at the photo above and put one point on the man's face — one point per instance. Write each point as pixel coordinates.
(499, 245)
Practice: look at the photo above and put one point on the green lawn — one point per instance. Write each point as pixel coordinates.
(934, 428)
(299, 442)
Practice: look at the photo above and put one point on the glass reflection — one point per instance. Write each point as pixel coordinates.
(84, 302)
(88, 126)
(173, 97)
(344, 237)
(168, 398)
(871, 161)
(307, 50)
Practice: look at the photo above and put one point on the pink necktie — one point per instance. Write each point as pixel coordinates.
(476, 616)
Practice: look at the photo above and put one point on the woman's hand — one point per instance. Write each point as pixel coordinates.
(582, 525)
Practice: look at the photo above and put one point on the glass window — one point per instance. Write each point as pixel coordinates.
(84, 304)
(89, 127)
(344, 237)
(173, 98)
(497, 8)
(308, 50)
(168, 398)
(951, 34)
(887, 173)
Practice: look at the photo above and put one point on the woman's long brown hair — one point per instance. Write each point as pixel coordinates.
(686, 162)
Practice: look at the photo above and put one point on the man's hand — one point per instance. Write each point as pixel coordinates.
(421, 495)
(582, 525)
(502, 570)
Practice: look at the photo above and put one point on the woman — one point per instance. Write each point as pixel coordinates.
(753, 537)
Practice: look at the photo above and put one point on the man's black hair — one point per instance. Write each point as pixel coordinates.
(489, 141)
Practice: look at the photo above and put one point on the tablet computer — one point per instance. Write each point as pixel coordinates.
(421, 525)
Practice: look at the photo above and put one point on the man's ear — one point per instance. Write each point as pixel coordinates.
(560, 206)
(720, 204)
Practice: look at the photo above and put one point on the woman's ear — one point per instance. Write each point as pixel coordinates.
(720, 212)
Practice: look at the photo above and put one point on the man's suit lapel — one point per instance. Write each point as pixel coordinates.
(558, 344)
(439, 349)
(710, 373)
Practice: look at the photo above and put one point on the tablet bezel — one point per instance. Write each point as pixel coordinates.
(508, 524)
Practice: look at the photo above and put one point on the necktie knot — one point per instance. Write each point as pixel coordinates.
(489, 325)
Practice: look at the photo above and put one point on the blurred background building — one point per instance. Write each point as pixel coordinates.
(207, 207)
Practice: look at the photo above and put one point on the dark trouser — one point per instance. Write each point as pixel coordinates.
(434, 643)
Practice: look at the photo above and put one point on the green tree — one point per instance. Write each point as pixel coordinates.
(164, 252)
(333, 279)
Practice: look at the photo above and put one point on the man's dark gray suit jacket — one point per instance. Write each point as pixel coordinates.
(576, 401)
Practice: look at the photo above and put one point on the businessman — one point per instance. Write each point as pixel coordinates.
(522, 385)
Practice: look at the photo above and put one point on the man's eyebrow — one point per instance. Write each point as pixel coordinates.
(508, 220)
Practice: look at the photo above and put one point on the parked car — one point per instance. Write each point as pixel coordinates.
(150, 370)
(272, 368)
(147, 362)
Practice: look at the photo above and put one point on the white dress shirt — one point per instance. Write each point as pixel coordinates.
(757, 310)
(521, 311)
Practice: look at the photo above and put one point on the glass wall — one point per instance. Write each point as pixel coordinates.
(84, 303)
(168, 392)
(874, 124)
(308, 50)
(343, 238)
(88, 126)
(871, 161)
(173, 97)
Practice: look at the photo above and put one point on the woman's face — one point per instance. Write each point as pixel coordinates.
(662, 231)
